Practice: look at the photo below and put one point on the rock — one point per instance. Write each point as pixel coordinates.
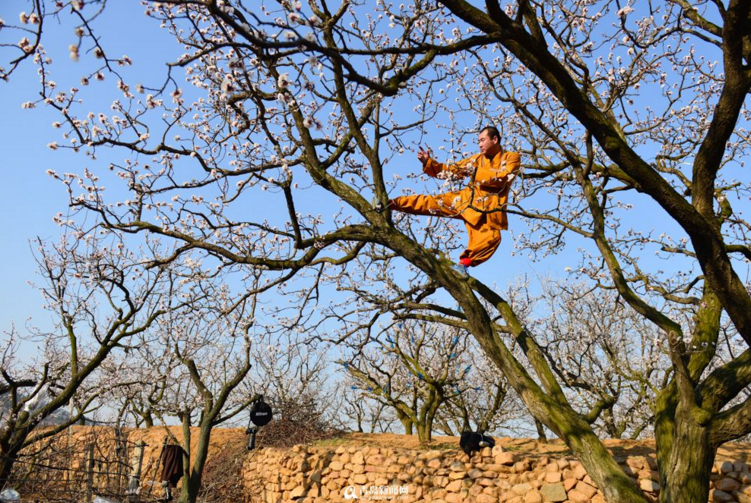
(563, 463)
(486, 498)
(375, 460)
(297, 492)
(454, 498)
(649, 485)
(457, 466)
(725, 467)
(533, 497)
(454, 486)
(336, 466)
(569, 484)
(491, 467)
(586, 489)
(576, 497)
(521, 466)
(715, 495)
(505, 458)
(742, 498)
(552, 467)
(441, 481)
(314, 492)
(740, 467)
(497, 450)
(553, 477)
(553, 492)
(580, 472)
(437, 493)
(475, 490)
(434, 463)
(491, 491)
(727, 485)
(474, 474)
(521, 489)
(457, 475)
(360, 478)
(358, 458)
(637, 463)
(503, 484)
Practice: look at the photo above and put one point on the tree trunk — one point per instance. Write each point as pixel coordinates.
(194, 477)
(408, 424)
(424, 432)
(686, 478)
(684, 452)
(8, 456)
(6, 467)
(541, 432)
(601, 467)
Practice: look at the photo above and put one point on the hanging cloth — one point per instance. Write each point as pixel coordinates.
(172, 464)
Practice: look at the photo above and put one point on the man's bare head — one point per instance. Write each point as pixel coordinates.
(489, 141)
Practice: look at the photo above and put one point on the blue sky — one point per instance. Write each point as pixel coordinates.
(29, 198)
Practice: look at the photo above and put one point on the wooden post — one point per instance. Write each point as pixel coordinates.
(134, 484)
(89, 473)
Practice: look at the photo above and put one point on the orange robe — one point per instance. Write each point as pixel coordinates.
(481, 204)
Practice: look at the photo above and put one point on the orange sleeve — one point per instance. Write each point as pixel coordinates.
(459, 169)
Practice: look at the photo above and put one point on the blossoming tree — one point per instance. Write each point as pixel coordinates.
(305, 109)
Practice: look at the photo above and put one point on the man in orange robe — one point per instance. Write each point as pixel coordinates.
(481, 204)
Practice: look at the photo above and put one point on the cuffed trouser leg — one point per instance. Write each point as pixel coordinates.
(483, 242)
(442, 205)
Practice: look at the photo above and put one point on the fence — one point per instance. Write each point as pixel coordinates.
(88, 463)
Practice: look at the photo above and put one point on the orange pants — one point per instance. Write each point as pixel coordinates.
(483, 240)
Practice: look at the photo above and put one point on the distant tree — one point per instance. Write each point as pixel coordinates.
(100, 302)
(606, 355)
(424, 373)
(200, 356)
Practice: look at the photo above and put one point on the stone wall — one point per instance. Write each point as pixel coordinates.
(308, 474)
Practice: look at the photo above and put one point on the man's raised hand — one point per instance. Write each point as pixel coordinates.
(423, 155)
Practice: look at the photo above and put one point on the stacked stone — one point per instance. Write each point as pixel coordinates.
(730, 482)
(317, 475)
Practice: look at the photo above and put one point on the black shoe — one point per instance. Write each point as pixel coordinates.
(380, 207)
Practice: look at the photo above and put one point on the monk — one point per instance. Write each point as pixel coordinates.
(481, 204)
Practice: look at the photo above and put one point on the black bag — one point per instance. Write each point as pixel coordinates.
(260, 413)
(471, 442)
